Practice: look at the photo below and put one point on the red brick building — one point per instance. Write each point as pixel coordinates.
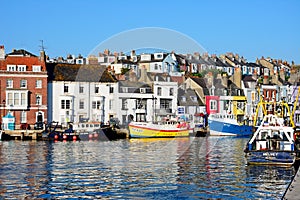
(23, 84)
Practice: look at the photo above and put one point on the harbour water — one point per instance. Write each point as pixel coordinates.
(184, 168)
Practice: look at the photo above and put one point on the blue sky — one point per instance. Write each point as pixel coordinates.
(250, 28)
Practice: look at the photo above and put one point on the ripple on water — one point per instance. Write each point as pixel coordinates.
(209, 168)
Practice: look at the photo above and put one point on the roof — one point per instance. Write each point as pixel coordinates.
(136, 84)
(81, 73)
(178, 79)
(188, 94)
(21, 52)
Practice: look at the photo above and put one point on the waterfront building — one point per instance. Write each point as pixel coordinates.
(190, 106)
(134, 101)
(151, 97)
(81, 93)
(249, 85)
(23, 86)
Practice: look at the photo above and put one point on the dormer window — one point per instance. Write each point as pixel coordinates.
(194, 99)
(11, 68)
(36, 68)
(183, 99)
(143, 90)
(22, 68)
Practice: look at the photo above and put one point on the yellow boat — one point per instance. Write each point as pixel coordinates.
(158, 130)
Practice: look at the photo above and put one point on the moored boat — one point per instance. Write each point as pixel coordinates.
(272, 143)
(163, 129)
(228, 116)
(228, 125)
(97, 131)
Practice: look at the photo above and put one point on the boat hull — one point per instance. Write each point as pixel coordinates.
(144, 131)
(222, 128)
(103, 134)
(282, 158)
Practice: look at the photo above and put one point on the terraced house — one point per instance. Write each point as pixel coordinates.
(80, 93)
(23, 83)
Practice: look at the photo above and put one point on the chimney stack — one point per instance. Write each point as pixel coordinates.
(42, 56)
(2, 52)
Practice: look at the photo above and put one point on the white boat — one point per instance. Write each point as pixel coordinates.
(272, 143)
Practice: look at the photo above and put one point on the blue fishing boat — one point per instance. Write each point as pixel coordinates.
(272, 143)
(228, 118)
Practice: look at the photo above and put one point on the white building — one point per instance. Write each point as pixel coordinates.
(79, 93)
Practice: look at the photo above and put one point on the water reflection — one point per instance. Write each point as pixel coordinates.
(211, 167)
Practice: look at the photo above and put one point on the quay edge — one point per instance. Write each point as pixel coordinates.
(21, 135)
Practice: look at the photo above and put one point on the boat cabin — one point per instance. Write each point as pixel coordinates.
(272, 135)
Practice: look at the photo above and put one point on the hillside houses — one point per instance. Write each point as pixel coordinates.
(144, 87)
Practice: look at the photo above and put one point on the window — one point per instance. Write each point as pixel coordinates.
(110, 103)
(81, 89)
(36, 68)
(124, 104)
(96, 105)
(23, 99)
(38, 83)
(194, 98)
(11, 67)
(171, 91)
(111, 90)
(213, 105)
(81, 104)
(140, 117)
(159, 91)
(66, 88)
(155, 66)
(165, 103)
(96, 89)
(23, 83)
(22, 68)
(143, 90)
(17, 98)
(65, 104)
(9, 83)
(23, 117)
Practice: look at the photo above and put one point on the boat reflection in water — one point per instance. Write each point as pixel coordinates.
(166, 168)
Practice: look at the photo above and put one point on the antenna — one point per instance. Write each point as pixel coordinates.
(42, 45)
